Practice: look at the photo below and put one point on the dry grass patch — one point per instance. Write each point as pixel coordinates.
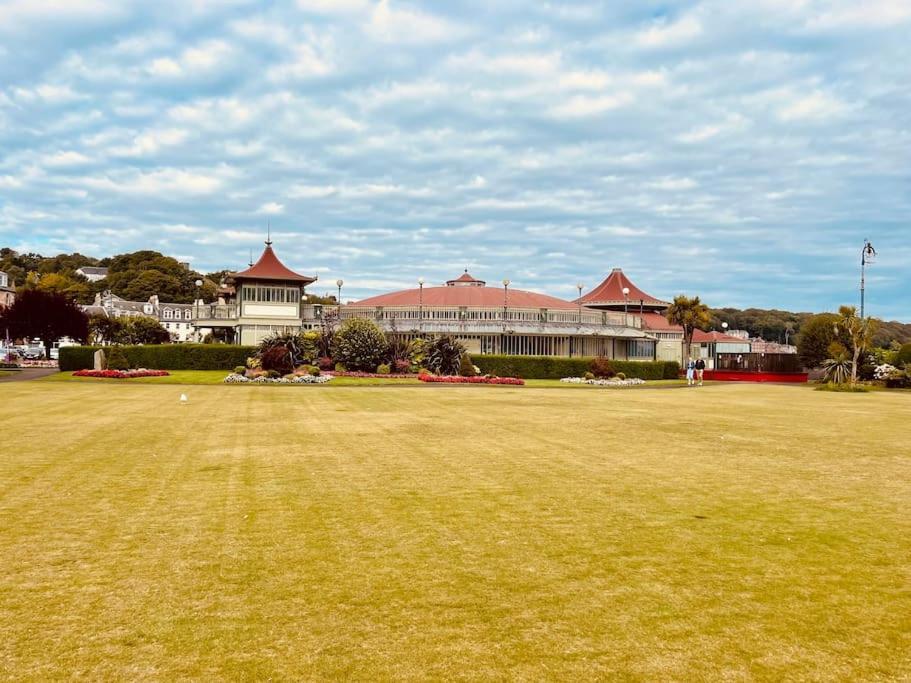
(727, 532)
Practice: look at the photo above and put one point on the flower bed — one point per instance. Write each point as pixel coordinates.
(456, 379)
(630, 382)
(234, 378)
(376, 375)
(37, 363)
(121, 374)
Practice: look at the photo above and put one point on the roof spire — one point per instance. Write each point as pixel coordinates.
(251, 257)
(269, 233)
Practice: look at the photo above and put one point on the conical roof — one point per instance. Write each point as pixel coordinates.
(270, 268)
(609, 294)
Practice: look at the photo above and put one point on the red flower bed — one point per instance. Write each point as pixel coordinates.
(121, 374)
(456, 379)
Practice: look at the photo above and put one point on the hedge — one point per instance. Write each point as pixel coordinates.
(551, 367)
(163, 356)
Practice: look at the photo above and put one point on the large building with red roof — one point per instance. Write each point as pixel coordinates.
(616, 319)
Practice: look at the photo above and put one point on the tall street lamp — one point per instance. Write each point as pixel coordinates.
(579, 287)
(420, 303)
(626, 301)
(505, 300)
(867, 255)
(339, 283)
(198, 284)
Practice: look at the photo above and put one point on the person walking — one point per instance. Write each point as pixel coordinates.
(690, 371)
(700, 370)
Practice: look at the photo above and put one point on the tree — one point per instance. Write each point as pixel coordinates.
(816, 335)
(690, 314)
(143, 330)
(443, 355)
(105, 330)
(860, 331)
(46, 315)
(359, 344)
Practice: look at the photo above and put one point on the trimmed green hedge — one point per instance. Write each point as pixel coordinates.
(549, 367)
(164, 356)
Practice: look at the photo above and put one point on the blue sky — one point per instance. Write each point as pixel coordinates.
(737, 149)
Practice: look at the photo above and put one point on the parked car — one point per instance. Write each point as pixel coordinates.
(34, 353)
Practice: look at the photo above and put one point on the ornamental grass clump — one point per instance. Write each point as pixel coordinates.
(443, 356)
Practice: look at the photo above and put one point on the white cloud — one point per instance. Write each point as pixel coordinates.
(205, 58)
(673, 184)
(68, 158)
(47, 92)
(271, 208)
(816, 105)
(151, 142)
(868, 13)
(398, 24)
(583, 105)
(669, 34)
(305, 62)
(160, 183)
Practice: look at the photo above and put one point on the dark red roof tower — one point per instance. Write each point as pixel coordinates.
(609, 295)
(270, 268)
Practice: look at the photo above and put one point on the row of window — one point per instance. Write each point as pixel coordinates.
(273, 295)
(169, 314)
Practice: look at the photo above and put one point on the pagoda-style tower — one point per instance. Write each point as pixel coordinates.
(610, 296)
(262, 300)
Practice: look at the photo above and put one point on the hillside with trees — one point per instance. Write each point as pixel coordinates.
(135, 276)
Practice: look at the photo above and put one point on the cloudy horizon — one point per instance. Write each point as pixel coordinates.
(741, 151)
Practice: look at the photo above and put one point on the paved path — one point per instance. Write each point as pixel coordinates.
(27, 374)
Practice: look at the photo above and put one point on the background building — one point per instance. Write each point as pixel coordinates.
(7, 291)
(177, 319)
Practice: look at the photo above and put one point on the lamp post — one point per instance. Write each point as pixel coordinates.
(625, 301)
(339, 283)
(505, 300)
(198, 284)
(579, 287)
(420, 303)
(867, 255)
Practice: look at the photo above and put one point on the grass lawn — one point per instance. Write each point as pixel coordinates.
(218, 376)
(730, 532)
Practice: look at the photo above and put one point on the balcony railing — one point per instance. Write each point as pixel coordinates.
(409, 317)
(215, 312)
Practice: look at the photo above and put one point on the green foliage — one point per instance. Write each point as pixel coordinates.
(836, 370)
(621, 375)
(815, 337)
(843, 387)
(383, 369)
(443, 355)
(589, 375)
(552, 367)
(340, 367)
(239, 370)
(903, 356)
(163, 357)
(466, 367)
(360, 344)
(691, 314)
(116, 359)
(309, 346)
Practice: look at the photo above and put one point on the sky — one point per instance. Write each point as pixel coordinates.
(740, 150)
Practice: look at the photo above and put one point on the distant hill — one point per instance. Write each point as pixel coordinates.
(784, 326)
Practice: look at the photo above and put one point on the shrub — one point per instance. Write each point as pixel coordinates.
(399, 350)
(602, 367)
(239, 370)
(589, 375)
(314, 371)
(291, 344)
(556, 367)
(401, 366)
(383, 369)
(116, 359)
(443, 355)
(309, 345)
(360, 344)
(163, 356)
(278, 358)
(621, 376)
(340, 367)
(273, 374)
(466, 367)
(903, 356)
(324, 363)
(289, 376)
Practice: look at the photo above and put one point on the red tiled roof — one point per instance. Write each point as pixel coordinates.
(475, 297)
(270, 268)
(701, 337)
(658, 322)
(466, 278)
(610, 292)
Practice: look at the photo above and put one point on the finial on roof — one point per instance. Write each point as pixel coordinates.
(269, 234)
(251, 257)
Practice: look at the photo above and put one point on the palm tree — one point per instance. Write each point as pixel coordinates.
(861, 331)
(689, 314)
